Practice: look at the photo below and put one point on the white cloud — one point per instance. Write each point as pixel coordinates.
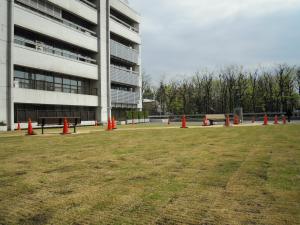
(185, 35)
(207, 12)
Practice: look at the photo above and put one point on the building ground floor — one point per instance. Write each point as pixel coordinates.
(22, 112)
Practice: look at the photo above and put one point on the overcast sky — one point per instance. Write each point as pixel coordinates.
(183, 36)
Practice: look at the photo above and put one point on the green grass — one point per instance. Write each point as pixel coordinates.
(242, 175)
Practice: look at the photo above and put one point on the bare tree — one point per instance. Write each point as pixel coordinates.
(147, 89)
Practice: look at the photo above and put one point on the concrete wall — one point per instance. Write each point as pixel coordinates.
(53, 98)
(3, 61)
(103, 58)
(125, 32)
(140, 105)
(35, 59)
(44, 25)
(126, 10)
(78, 8)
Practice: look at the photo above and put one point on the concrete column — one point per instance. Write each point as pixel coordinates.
(104, 108)
(6, 64)
(140, 104)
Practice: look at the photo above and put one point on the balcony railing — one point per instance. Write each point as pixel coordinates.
(51, 50)
(88, 3)
(124, 24)
(124, 76)
(124, 52)
(124, 97)
(55, 15)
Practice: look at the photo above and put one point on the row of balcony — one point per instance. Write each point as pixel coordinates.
(124, 24)
(54, 26)
(39, 56)
(42, 24)
(39, 46)
(55, 13)
(30, 96)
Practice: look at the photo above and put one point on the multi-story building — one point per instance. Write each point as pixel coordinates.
(68, 58)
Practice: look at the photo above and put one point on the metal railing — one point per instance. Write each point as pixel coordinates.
(125, 97)
(88, 3)
(124, 76)
(124, 24)
(123, 52)
(51, 50)
(56, 18)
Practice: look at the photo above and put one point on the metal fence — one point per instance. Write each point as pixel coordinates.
(123, 52)
(125, 97)
(246, 116)
(124, 76)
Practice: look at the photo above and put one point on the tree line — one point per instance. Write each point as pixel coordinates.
(275, 89)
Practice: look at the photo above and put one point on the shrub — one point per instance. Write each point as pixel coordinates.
(141, 115)
(146, 114)
(129, 115)
(135, 114)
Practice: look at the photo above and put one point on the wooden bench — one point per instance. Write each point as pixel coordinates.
(215, 117)
(58, 121)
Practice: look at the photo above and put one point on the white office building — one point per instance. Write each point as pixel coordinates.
(75, 58)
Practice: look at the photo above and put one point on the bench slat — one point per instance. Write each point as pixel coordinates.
(215, 116)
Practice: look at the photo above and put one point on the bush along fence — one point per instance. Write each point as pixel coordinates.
(135, 117)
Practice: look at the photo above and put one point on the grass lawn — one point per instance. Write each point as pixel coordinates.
(242, 175)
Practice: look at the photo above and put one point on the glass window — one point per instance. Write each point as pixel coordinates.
(58, 87)
(40, 80)
(74, 82)
(66, 81)
(34, 79)
(40, 77)
(58, 80)
(66, 85)
(66, 88)
(74, 89)
(19, 74)
(49, 83)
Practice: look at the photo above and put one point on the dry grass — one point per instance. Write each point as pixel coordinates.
(246, 175)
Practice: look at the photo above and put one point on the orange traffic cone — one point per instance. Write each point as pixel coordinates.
(18, 127)
(284, 120)
(109, 125)
(30, 130)
(114, 124)
(236, 120)
(265, 120)
(183, 122)
(227, 122)
(66, 127)
(205, 121)
(276, 120)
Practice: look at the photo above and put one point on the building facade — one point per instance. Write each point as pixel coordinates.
(68, 58)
